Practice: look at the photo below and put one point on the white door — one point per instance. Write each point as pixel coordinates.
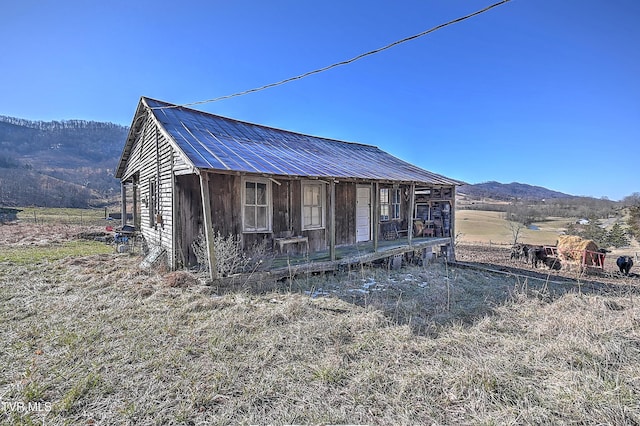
(363, 213)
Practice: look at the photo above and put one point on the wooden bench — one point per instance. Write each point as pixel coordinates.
(282, 242)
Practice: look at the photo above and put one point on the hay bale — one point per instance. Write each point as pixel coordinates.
(571, 249)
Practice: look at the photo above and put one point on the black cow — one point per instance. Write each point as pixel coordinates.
(552, 263)
(537, 254)
(624, 263)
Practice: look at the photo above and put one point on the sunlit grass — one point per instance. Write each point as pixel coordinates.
(42, 215)
(23, 255)
(489, 226)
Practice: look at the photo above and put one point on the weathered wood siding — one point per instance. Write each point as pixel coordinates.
(150, 164)
(188, 218)
(345, 213)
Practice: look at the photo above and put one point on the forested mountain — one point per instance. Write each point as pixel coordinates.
(58, 163)
(510, 191)
(71, 164)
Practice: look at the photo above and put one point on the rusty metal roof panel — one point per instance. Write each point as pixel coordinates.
(220, 143)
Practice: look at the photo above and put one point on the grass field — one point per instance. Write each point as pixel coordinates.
(91, 339)
(487, 226)
(62, 216)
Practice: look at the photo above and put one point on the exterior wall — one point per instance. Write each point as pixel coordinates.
(150, 165)
(226, 209)
(171, 203)
(345, 213)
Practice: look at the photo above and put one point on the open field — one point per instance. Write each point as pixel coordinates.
(478, 226)
(62, 216)
(92, 339)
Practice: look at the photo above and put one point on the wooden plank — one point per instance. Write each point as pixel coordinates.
(314, 267)
(375, 216)
(412, 200)
(332, 220)
(208, 227)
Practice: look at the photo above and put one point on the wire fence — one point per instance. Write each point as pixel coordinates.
(65, 216)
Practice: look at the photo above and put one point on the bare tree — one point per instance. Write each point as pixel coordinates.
(515, 227)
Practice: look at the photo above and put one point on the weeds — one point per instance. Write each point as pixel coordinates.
(106, 344)
(230, 256)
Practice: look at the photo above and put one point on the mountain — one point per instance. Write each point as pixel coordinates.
(58, 163)
(71, 164)
(510, 191)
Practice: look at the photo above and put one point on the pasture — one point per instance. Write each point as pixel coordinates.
(478, 226)
(89, 338)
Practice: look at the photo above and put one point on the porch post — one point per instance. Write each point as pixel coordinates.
(332, 220)
(452, 225)
(412, 201)
(123, 206)
(208, 226)
(376, 215)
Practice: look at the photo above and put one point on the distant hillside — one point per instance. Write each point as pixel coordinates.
(510, 191)
(58, 163)
(71, 164)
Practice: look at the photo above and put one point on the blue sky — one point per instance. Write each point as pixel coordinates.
(544, 92)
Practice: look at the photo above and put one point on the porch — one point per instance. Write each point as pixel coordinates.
(347, 256)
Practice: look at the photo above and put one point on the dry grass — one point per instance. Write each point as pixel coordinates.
(101, 342)
(478, 226)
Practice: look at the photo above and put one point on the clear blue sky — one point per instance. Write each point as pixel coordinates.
(544, 92)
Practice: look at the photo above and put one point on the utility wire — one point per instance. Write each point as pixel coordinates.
(346, 62)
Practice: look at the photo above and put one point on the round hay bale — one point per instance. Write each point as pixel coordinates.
(571, 248)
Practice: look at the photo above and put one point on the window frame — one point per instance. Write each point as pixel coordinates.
(395, 201)
(268, 205)
(385, 204)
(152, 200)
(323, 204)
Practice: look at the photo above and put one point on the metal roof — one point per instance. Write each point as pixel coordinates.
(218, 143)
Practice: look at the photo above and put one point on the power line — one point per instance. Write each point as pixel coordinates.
(346, 62)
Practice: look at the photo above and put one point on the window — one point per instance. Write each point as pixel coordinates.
(395, 204)
(384, 204)
(313, 205)
(422, 211)
(256, 213)
(389, 204)
(152, 201)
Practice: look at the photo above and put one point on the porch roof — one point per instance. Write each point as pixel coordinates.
(218, 143)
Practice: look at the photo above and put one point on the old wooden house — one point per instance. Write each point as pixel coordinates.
(187, 173)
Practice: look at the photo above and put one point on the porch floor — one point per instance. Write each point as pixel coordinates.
(350, 254)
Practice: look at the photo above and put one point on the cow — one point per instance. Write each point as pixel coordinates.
(552, 263)
(537, 254)
(520, 251)
(624, 264)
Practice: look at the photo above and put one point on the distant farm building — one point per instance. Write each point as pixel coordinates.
(190, 174)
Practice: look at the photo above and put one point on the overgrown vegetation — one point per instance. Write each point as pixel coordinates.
(229, 254)
(633, 203)
(616, 236)
(95, 340)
